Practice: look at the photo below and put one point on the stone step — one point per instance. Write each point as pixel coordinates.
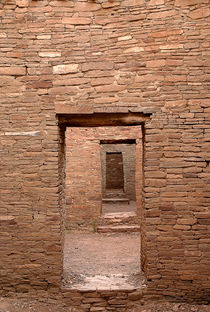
(118, 228)
(114, 193)
(116, 200)
(117, 218)
(121, 215)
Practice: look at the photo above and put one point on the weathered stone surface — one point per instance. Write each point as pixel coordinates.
(134, 50)
(155, 63)
(132, 2)
(136, 295)
(86, 6)
(65, 69)
(156, 2)
(49, 54)
(40, 84)
(200, 13)
(13, 71)
(76, 21)
(97, 66)
(124, 38)
(44, 37)
(187, 221)
(189, 2)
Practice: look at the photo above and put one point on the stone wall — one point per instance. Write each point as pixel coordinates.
(114, 170)
(85, 57)
(83, 177)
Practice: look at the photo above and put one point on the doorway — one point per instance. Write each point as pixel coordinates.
(114, 171)
(119, 176)
(119, 275)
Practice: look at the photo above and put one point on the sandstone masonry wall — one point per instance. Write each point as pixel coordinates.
(104, 56)
(114, 170)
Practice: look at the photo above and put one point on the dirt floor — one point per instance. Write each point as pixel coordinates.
(18, 305)
(102, 261)
(119, 207)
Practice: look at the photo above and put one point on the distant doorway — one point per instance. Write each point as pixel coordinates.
(114, 170)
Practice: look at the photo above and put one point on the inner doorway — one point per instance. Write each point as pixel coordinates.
(118, 161)
(86, 174)
(114, 171)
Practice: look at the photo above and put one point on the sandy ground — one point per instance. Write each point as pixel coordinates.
(96, 253)
(104, 260)
(17, 305)
(118, 207)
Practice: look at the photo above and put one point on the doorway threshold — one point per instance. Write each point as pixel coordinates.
(125, 282)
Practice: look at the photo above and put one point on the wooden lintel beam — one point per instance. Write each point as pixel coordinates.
(103, 119)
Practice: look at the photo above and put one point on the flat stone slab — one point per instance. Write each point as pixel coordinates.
(105, 282)
(119, 218)
(118, 228)
(116, 200)
(120, 215)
